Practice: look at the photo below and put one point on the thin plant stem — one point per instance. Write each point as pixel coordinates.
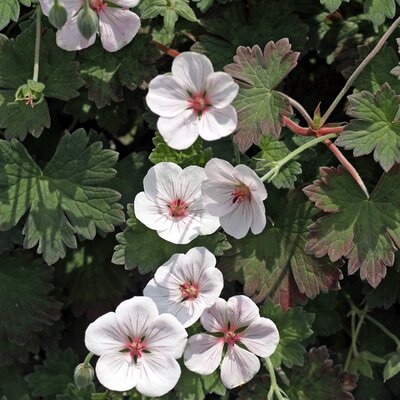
(358, 71)
(170, 52)
(384, 330)
(86, 6)
(295, 104)
(37, 43)
(87, 359)
(278, 165)
(346, 163)
(274, 388)
(236, 151)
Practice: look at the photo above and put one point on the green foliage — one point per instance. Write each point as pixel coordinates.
(378, 10)
(9, 11)
(194, 155)
(255, 22)
(319, 379)
(63, 198)
(376, 127)
(392, 367)
(333, 5)
(273, 150)
(365, 231)
(282, 270)
(133, 250)
(58, 72)
(294, 326)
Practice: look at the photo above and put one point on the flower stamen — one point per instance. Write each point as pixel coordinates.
(135, 348)
(189, 291)
(240, 194)
(199, 103)
(97, 5)
(231, 337)
(178, 208)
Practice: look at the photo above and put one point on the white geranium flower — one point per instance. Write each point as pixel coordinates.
(194, 101)
(137, 348)
(117, 24)
(186, 284)
(172, 205)
(242, 332)
(235, 195)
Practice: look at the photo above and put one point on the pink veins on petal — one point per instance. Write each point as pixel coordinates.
(178, 208)
(97, 5)
(240, 194)
(190, 291)
(199, 103)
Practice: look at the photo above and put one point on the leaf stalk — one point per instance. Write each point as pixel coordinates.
(37, 43)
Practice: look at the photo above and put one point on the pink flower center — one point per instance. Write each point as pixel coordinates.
(178, 208)
(240, 194)
(231, 337)
(135, 347)
(97, 5)
(199, 103)
(189, 290)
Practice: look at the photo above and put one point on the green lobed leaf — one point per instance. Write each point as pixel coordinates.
(376, 127)
(259, 106)
(392, 367)
(9, 11)
(273, 150)
(366, 231)
(320, 379)
(29, 306)
(194, 155)
(274, 264)
(63, 199)
(254, 22)
(54, 375)
(378, 10)
(333, 5)
(294, 326)
(134, 251)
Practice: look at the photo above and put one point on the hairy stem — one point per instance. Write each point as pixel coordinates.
(358, 71)
(346, 163)
(170, 52)
(295, 104)
(37, 43)
(279, 164)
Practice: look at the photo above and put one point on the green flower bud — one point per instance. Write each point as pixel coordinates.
(58, 15)
(83, 375)
(31, 93)
(88, 22)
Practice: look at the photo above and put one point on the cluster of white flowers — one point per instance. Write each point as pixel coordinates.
(139, 344)
(117, 24)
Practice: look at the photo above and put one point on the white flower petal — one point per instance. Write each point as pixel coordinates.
(203, 353)
(199, 259)
(238, 222)
(186, 312)
(117, 27)
(215, 318)
(242, 311)
(166, 335)
(158, 374)
(179, 132)
(181, 231)
(166, 97)
(217, 198)
(246, 175)
(72, 6)
(261, 337)
(192, 69)
(136, 315)
(238, 367)
(217, 123)
(188, 185)
(259, 220)
(220, 171)
(211, 285)
(70, 38)
(126, 3)
(116, 372)
(105, 334)
(221, 89)
(159, 181)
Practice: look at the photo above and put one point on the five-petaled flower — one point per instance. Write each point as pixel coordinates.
(117, 24)
(172, 205)
(236, 326)
(235, 195)
(186, 284)
(193, 101)
(137, 348)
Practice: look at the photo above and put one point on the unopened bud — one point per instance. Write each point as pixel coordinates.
(83, 375)
(31, 93)
(58, 15)
(88, 21)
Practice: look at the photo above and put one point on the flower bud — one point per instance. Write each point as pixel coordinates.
(83, 375)
(88, 22)
(31, 93)
(58, 15)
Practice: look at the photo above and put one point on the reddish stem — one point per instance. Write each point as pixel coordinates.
(170, 52)
(346, 163)
(297, 129)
